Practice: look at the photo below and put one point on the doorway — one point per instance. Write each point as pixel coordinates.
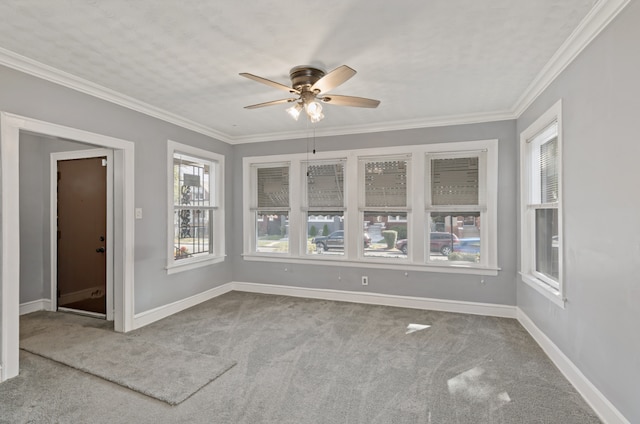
(11, 126)
(81, 274)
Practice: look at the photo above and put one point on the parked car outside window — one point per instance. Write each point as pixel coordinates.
(440, 242)
(335, 240)
(468, 245)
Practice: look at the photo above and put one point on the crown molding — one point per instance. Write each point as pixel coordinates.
(466, 119)
(593, 23)
(49, 73)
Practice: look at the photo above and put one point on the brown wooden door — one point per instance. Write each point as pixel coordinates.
(82, 227)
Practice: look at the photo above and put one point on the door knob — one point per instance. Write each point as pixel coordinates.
(100, 250)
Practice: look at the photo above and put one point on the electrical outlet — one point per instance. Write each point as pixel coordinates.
(365, 280)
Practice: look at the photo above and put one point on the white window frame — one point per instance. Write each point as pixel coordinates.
(551, 289)
(481, 207)
(354, 180)
(304, 199)
(362, 207)
(216, 175)
(250, 230)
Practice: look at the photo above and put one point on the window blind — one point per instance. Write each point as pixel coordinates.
(454, 181)
(548, 166)
(273, 187)
(325, 185)
(386, 183)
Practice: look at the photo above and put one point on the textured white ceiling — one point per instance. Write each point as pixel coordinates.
(427, 61)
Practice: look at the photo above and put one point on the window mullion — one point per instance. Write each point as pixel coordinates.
(553, 205)
(295, 204)
(353, 217)
(416, 222)
(457, 208)
(180, 207)
(264, 209)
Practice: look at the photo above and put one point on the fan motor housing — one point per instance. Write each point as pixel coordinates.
(304, 76)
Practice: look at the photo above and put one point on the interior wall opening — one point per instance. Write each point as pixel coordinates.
(12, 129)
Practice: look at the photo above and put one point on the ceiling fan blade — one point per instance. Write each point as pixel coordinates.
(271, 103)
(333, 79)
(334, 99)
(269, 82)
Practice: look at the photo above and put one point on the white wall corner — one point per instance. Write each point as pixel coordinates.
(603, 12)
(35, 306)
(598, 402)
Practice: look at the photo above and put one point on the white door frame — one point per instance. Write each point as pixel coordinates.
(123, 235)
(53, 200)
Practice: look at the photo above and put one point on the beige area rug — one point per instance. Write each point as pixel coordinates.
(165, 374)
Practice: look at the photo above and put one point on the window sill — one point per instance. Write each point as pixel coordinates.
(544, 289)
(187, 264)
(402, 266)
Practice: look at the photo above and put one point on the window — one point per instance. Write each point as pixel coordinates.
(384, 207)
(352, 207)
(271, 209)
(196, 224)
(541, 205)
(324, 207)
(455, 205)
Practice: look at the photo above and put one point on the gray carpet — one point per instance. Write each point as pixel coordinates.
(166, 374)
(306, 361)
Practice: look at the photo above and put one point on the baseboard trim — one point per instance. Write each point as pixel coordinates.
(473, 308)
(35, 306)
(598, 402)
(487, 309)
(145, 318)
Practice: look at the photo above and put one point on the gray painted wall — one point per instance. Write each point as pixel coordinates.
(598, 330)
(32, 242)
(499, 290)
(29, 96)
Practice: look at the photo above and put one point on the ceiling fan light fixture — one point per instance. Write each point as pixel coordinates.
(295, 110)
(314, 111)
(310, 85)
(316, 118)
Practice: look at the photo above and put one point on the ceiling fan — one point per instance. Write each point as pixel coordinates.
(310, 84)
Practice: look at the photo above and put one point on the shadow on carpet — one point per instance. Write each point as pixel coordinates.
(165, 374)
